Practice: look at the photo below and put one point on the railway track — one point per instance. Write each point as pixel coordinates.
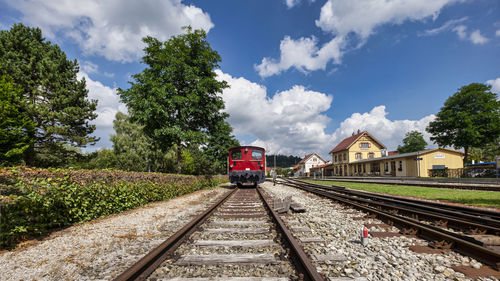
(486, 186)
(240, 237)
(472, 232)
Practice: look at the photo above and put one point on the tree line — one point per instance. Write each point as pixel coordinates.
(282, 161)
(176, 120)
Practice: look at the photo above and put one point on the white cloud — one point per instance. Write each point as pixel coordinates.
(390, 133)
(294, 122)
(341, 17)
(445, 27)
(348, 22)
(89, 67)
(108, 102)
(113, 28)
(477, 38)
(497, 33)
(291, 122)
(460, 30)
(291, 3)
(303, 55)
(495, 85)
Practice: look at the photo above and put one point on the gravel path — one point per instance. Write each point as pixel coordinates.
(103, 248)
(381, 259)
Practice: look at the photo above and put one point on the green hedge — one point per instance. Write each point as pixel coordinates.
(35, 201)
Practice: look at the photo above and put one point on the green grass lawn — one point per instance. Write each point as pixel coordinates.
(478, 198)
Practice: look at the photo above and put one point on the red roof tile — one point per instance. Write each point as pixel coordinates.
(344, 144)
(347, 142)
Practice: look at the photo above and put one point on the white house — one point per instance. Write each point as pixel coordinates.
(309, 161)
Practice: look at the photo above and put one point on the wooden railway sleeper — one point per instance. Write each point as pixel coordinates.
(476, 231)
(441, 223)
(409, 231)
(443, 245)
(394, 211)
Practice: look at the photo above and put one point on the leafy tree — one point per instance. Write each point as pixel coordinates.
(220, 140)
(176, 96)
(134, 150)
(102, 159)
(469, 118)
(487, 153)
(15, 126)
(412, 142)
(54, 99)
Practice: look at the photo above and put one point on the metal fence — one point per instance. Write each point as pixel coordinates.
(476, 172)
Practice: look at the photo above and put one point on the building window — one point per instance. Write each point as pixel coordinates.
(358, 155)
(314, 159)
(386, 166)
(365, 145)
(335, 158)
(355, 168)
(371, 155)
(400, 166)
(345, 158)
(336, 170)
(364, 168)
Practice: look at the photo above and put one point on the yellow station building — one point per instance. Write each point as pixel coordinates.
(363, 155)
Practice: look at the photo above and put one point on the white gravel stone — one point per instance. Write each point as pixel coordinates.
(381, 259)
(103, 248)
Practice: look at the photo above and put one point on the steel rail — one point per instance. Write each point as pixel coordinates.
(460, 244)
(466, 225)
(488, 186)
(487, 218)
(151, 261)
(303, 262)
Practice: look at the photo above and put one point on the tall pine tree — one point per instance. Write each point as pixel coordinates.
(55, 100)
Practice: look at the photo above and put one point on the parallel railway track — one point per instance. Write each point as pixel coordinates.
(459, 228)
(493, 185)
(243, 213)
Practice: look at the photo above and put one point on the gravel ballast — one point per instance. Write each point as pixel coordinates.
(381, 259)
(103, 248)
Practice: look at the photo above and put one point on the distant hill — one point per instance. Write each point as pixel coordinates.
(282, 161)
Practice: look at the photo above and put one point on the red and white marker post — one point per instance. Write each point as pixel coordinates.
(364, 236)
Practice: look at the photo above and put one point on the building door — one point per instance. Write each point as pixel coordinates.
(393, 168)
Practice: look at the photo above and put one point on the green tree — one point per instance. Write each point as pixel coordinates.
(412, 142)
(102, 159)
(469, 118)
(133, 149)
(487, 153)
(54, 99)
(176, 97)
(15, 126)
(220, 140)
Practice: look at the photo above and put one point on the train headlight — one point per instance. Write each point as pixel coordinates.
(231, 166)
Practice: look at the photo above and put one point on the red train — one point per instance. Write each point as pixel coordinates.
(247, 164)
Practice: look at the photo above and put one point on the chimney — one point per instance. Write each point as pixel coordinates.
(358, 131)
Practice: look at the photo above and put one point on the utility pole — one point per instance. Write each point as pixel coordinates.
(274, 172)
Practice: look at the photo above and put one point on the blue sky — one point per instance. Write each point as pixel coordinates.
(303, 74)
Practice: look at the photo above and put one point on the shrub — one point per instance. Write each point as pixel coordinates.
(35, 201)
